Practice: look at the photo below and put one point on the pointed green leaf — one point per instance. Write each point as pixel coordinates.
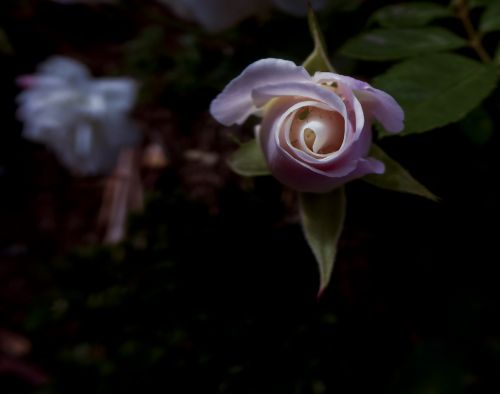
(394, 44)
(5, 46)
(318, 59)
(249, 160)
(438, 89)
(490, 20)
(322, 217)
(410, 14)
(395, 177)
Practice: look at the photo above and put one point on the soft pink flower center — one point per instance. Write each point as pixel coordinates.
(317, 130)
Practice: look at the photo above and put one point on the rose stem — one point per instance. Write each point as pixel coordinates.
(473, 36)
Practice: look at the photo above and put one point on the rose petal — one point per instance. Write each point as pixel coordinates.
(382, 107)
(364, 167)
(376, 103)
(318, 175)
(291, 142)
(283, 132)
(334, 164)
(307, 90)
(235, 102)
(348, 106)
(300, 177)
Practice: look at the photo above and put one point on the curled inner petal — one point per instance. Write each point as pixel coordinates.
(309, 137)
(317, 131)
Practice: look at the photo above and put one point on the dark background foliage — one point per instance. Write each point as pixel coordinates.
(214, 287)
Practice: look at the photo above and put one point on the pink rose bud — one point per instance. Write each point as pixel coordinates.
(315, 131)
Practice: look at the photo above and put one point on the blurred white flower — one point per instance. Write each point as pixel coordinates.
(215, 15)
(84, 120)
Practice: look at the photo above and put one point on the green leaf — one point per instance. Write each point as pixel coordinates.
(432, 367)
(5, 46)
(410, 14)
(477, 3)
(249, 160)
(395, 177)
(394, 44)
(490, 20)
(437, 89)
(322, 217)
(496, 57)
(318, 59)
(478, 126)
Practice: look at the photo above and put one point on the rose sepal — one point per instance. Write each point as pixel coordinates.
(322, 216)
(396, 177)
(318, 59)
(248, 160)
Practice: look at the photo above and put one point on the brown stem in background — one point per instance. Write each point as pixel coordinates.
(473, 36)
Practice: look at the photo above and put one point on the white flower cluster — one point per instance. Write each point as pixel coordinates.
(83, 120)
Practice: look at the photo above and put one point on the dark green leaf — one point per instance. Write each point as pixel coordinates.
(496, 58)
(322, 217)
(249, 160)
(318, 59)
(5, 46)
(477, 3)
(432, 367)
(490, 20)
(393, 44)
(437, 89)
(395, 177)
(478, 126)
(410, 14)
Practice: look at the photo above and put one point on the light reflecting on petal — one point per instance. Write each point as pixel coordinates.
(235, 103)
